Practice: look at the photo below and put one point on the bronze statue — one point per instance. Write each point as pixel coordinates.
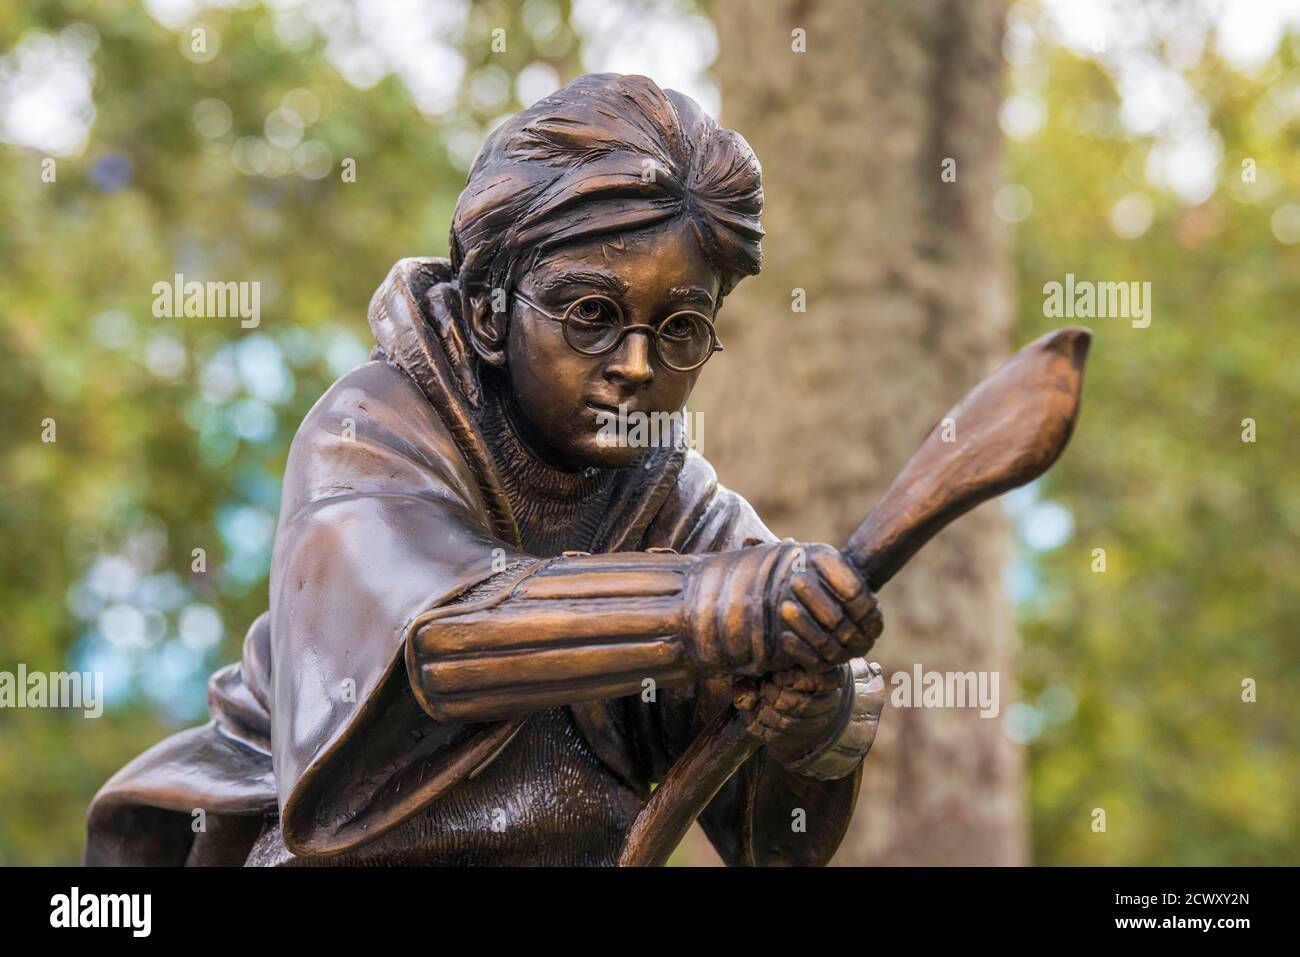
(491, 630)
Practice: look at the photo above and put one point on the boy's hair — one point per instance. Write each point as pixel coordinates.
(607, 153)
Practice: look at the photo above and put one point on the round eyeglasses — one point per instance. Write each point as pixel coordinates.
(595, 325)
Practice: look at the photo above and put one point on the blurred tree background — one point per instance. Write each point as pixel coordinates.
(1159, 143)
(1147, 142)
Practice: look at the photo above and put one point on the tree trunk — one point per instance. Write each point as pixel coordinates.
(908, 304)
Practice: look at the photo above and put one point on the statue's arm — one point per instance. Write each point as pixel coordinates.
(591, 627)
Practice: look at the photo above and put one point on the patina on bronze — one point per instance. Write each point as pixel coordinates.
(491, 631)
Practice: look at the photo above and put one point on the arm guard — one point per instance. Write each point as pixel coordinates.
(589, 627)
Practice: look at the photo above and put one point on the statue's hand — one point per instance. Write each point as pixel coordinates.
(825, 612)
(795, 712)
(773, 606)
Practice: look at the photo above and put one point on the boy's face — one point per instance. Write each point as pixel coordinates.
(557, 393)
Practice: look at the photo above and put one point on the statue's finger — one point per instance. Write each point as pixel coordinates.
(802, 705)
(851, 636)
(800, 679)
(799, 651)
(861, 608)
(839, 575)
(824, 608)
(776, 722)
(797, 619)
(870, 629)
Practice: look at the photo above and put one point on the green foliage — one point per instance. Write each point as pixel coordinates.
(1200, 529)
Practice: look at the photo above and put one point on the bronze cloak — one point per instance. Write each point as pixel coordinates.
(390, 507)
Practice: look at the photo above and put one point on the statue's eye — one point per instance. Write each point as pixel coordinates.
(678, 327)
(596, 311)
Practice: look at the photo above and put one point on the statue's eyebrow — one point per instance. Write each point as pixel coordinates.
(691, 294)
(599, 280)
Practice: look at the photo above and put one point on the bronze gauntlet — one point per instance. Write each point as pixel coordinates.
(590, 627)
(841, 753)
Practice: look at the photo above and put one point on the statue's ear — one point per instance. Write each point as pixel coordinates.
(488, 328)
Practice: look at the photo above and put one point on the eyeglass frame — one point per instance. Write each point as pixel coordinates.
(715, 344)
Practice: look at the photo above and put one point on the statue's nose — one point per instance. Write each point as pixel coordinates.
(630, 362)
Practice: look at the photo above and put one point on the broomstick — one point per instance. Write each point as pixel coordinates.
(1009, 430)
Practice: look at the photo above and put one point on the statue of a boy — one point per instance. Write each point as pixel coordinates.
(490, 629)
